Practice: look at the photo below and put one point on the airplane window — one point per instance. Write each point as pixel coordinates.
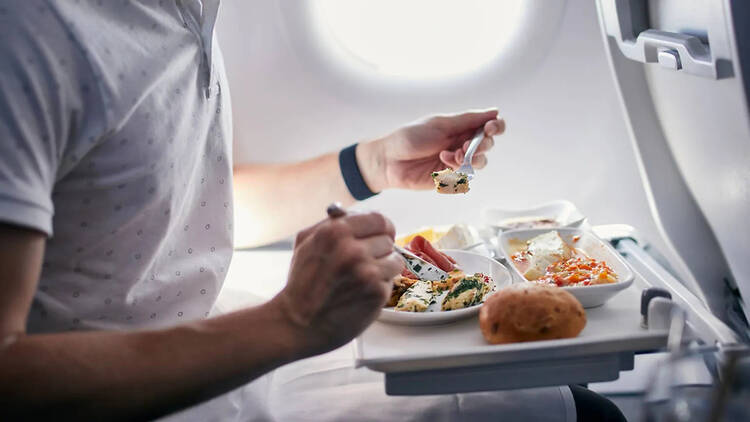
(419, 38)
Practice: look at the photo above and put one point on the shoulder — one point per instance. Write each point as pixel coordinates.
(46, 80)
(39, 49)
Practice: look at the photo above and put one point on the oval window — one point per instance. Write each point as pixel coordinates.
(420, 38)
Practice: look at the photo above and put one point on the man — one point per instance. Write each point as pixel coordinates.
(116, 216)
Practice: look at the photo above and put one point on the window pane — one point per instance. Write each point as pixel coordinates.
(421, 38)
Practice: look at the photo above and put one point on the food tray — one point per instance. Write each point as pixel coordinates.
(454, 357)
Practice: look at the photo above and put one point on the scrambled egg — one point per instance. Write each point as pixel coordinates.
(468, 291)
(416, 298)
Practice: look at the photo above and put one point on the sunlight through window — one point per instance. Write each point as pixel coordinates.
(420, 38)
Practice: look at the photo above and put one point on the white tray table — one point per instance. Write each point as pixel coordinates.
(455, 358)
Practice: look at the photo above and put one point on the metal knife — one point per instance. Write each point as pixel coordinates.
(423, 269)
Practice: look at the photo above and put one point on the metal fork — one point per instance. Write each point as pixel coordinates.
(421, 268)
(466, 167)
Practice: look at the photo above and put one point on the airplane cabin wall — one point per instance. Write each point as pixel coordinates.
(566, 137)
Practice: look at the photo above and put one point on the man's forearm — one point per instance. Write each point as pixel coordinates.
(275, 200)
(140, 375)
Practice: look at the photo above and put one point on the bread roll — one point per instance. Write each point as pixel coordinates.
(529, 312)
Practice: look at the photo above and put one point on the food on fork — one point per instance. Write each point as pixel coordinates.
(528, 312)
(449, 181)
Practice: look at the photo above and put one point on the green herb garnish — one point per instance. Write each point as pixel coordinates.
(464, 285)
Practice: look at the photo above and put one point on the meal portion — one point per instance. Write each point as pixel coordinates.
(417, 297)
(456, 236)
(467, 291)
(527, 312)
(458, 291)
(547, 259)
(448, 181)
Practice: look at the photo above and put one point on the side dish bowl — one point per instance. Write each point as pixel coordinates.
(588, 243)
(564, 214)
(470, 263)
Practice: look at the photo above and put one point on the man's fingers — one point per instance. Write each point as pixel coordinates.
(359, 225)
(479, 161)
(454, 159)
(484, 146)
(379, 246)
(459, 155)
(448, 158)
(370, 224)
(494, 127)
(459, 123)
(391, 266)
(305, 233)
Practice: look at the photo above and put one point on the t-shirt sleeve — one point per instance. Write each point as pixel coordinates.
(44, 83)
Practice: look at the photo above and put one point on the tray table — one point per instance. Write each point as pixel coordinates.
(455, 358)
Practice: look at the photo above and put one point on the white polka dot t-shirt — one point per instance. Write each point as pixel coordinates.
(115, 141)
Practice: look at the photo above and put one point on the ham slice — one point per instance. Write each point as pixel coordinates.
(422, 248)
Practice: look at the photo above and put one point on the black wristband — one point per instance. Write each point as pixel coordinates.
(351, 174)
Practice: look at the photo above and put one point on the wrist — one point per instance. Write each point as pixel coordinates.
(289, 337)
(372, 163)
(293, 334)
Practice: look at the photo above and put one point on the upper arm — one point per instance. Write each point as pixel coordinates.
(21, 254)
(47, 103)
(42, 113)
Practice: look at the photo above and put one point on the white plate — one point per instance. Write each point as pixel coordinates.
(589, 296)
(562, 211)
(470, 263)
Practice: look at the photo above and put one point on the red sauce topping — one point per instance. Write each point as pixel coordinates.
(578, 271)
